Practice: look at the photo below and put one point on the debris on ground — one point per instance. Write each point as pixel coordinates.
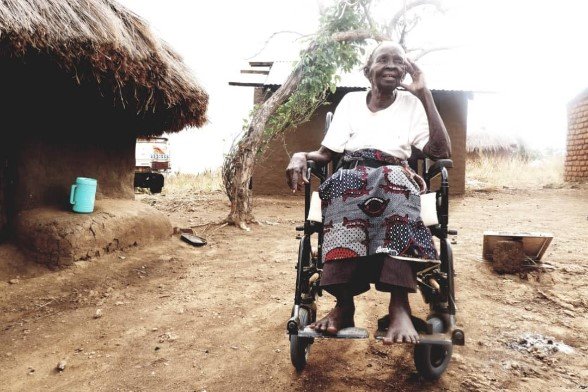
(167, 337)
(509, 257)
(182, 230)
(61, 365)
(539, 346)
(271, 223)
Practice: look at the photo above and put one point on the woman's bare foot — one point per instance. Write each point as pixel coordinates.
(400, 329)
(341, 316)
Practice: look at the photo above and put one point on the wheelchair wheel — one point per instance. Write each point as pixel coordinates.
(431, 360)
(300, 347)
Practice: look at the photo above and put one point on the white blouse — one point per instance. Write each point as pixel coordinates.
(392, 130)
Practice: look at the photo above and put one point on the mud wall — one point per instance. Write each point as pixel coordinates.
(576, 163)
(48, 166)
(58, 238)
(269, 176)
(57, 128)
(453, 108)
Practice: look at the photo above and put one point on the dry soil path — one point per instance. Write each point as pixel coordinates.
(171, 317)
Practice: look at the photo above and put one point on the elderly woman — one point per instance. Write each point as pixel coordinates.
(371, 205)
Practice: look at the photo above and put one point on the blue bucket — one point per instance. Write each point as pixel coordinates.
(83, 194)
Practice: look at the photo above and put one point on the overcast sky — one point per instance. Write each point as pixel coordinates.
(531, 53)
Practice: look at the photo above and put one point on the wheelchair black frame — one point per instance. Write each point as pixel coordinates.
(309, 264)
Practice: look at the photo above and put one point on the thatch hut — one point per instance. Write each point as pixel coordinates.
(81, 80)
(483, 142)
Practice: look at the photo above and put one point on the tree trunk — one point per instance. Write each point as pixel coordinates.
(238, 167)
(243, 158)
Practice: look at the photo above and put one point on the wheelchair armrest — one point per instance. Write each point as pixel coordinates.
(318, 171)
(436, 167)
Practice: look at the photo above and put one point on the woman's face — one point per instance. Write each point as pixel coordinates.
(387, 68)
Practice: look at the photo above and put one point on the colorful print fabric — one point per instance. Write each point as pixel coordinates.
(373, 210)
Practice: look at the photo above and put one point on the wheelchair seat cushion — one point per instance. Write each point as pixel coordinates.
(373, 210)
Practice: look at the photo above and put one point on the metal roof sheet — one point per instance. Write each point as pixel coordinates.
(280, 71)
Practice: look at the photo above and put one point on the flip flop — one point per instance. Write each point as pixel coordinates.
(193, 239)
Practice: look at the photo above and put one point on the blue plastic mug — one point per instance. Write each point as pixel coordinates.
(83, 194)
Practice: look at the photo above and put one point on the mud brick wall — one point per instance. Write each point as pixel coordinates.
(453, 108)
(576, 164)
(269, 177)
(48, 166)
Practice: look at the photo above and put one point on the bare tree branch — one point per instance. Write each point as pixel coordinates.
(358, 35)
(423, 51)
(368, 16)
(413, 4)
(270, 38)
(402, 37)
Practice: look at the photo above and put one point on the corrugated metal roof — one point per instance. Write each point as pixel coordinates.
(280, 71)
(449, 70)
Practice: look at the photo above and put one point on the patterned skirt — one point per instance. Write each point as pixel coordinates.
(373, 210)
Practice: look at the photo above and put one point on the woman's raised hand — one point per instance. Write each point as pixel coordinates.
(418, 85)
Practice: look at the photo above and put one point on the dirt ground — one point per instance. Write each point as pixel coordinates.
(172, 317)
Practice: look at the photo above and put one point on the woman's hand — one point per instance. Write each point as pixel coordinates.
(439, 145)
(296, 172)
(418, 86)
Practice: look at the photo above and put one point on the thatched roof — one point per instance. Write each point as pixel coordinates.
(101, 43)
(483, 140)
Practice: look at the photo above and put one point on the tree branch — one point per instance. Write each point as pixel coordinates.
(402, 36)
(270, 38)
(413, 4)
(368, 16)
(358, 35)
(424, 51)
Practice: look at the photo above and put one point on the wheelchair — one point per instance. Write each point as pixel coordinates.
(438, 332)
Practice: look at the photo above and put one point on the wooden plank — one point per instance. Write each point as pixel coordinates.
(261, 63)
(246, 84)
(255, 71)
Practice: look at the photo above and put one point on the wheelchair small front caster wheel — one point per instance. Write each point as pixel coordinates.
(431, 360)
(300, 347)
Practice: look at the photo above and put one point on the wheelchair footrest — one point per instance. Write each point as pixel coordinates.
(418, 261)
(345, 333)
(438, 339)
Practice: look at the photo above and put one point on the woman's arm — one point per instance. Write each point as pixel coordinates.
(439, 145)
(296, 170)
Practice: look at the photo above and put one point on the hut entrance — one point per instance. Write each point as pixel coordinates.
(3, 212)
(6, 189)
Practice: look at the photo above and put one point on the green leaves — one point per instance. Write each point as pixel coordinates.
(319, 68)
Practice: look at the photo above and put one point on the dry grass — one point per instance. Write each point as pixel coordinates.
(483, 173)
(514, 172)
(209, 181)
